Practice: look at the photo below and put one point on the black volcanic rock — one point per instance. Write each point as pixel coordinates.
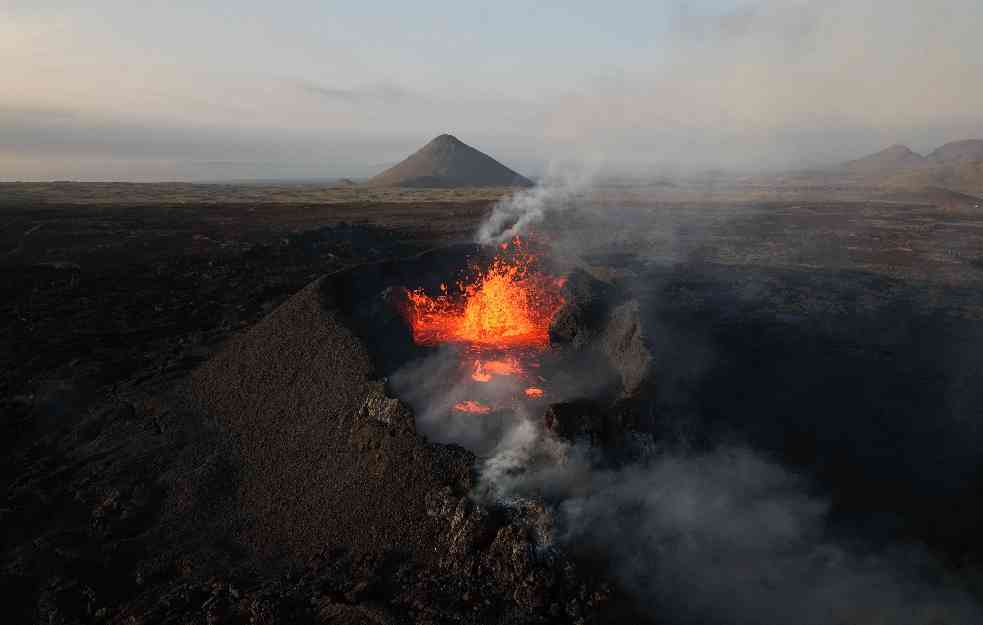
(587, 301)
(448, 162)
(625, 344)
(575, 419)
(598, 321)
(325, 457)
(585, 419)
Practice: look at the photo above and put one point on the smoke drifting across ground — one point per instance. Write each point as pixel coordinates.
(723, 534)
(719, 536)
(435, 384)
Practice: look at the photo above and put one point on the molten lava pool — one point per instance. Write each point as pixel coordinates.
(486, 370)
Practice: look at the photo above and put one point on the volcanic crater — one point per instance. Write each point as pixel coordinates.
(326, 401)
(314, 476)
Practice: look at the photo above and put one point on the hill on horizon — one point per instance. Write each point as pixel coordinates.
(887, 160)
(449, 162)
(957, 165)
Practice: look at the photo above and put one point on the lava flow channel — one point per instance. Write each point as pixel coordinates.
(510, 305)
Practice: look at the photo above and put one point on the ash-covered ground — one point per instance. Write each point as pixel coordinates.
(812, 426)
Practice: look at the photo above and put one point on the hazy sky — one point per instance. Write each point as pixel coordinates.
(111, 89)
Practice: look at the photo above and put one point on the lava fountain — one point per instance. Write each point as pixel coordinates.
(509, 305)
(501, 316)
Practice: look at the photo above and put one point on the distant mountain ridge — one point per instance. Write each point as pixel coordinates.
(889, 159)
(957, 165)
(970, 150)
(449, 162)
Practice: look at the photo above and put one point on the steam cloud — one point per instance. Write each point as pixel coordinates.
(718, 536)
(721, 535)
(557, 191)
(432, 386)
(729, 537)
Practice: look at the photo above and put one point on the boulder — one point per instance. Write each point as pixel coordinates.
(599, 424)
(574, 420)
(625, 345)
(387, 411)
(597, 321)
(587, 301)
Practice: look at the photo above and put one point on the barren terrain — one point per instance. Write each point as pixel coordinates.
(839, 330)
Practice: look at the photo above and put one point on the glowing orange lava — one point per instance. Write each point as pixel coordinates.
(509, 305)
(501, 315)
(484, 370)
(479, 374)
(472, 407)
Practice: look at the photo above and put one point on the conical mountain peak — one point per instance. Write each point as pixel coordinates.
(446, 161)
(445, 139)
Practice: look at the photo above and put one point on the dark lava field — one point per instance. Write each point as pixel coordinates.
(191, 434)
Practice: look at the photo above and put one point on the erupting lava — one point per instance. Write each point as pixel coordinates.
(509, 305)
(501, 315)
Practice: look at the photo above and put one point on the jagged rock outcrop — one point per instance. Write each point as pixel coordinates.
(600, 425)
(625, 344)
(599, 321)
(513, 547)
(387, 411)
(579, 320)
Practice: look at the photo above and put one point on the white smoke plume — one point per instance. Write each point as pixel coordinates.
(724, 536)
(514, 215)
(719, 536)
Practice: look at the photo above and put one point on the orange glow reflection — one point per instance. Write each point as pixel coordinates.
(472, 407)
